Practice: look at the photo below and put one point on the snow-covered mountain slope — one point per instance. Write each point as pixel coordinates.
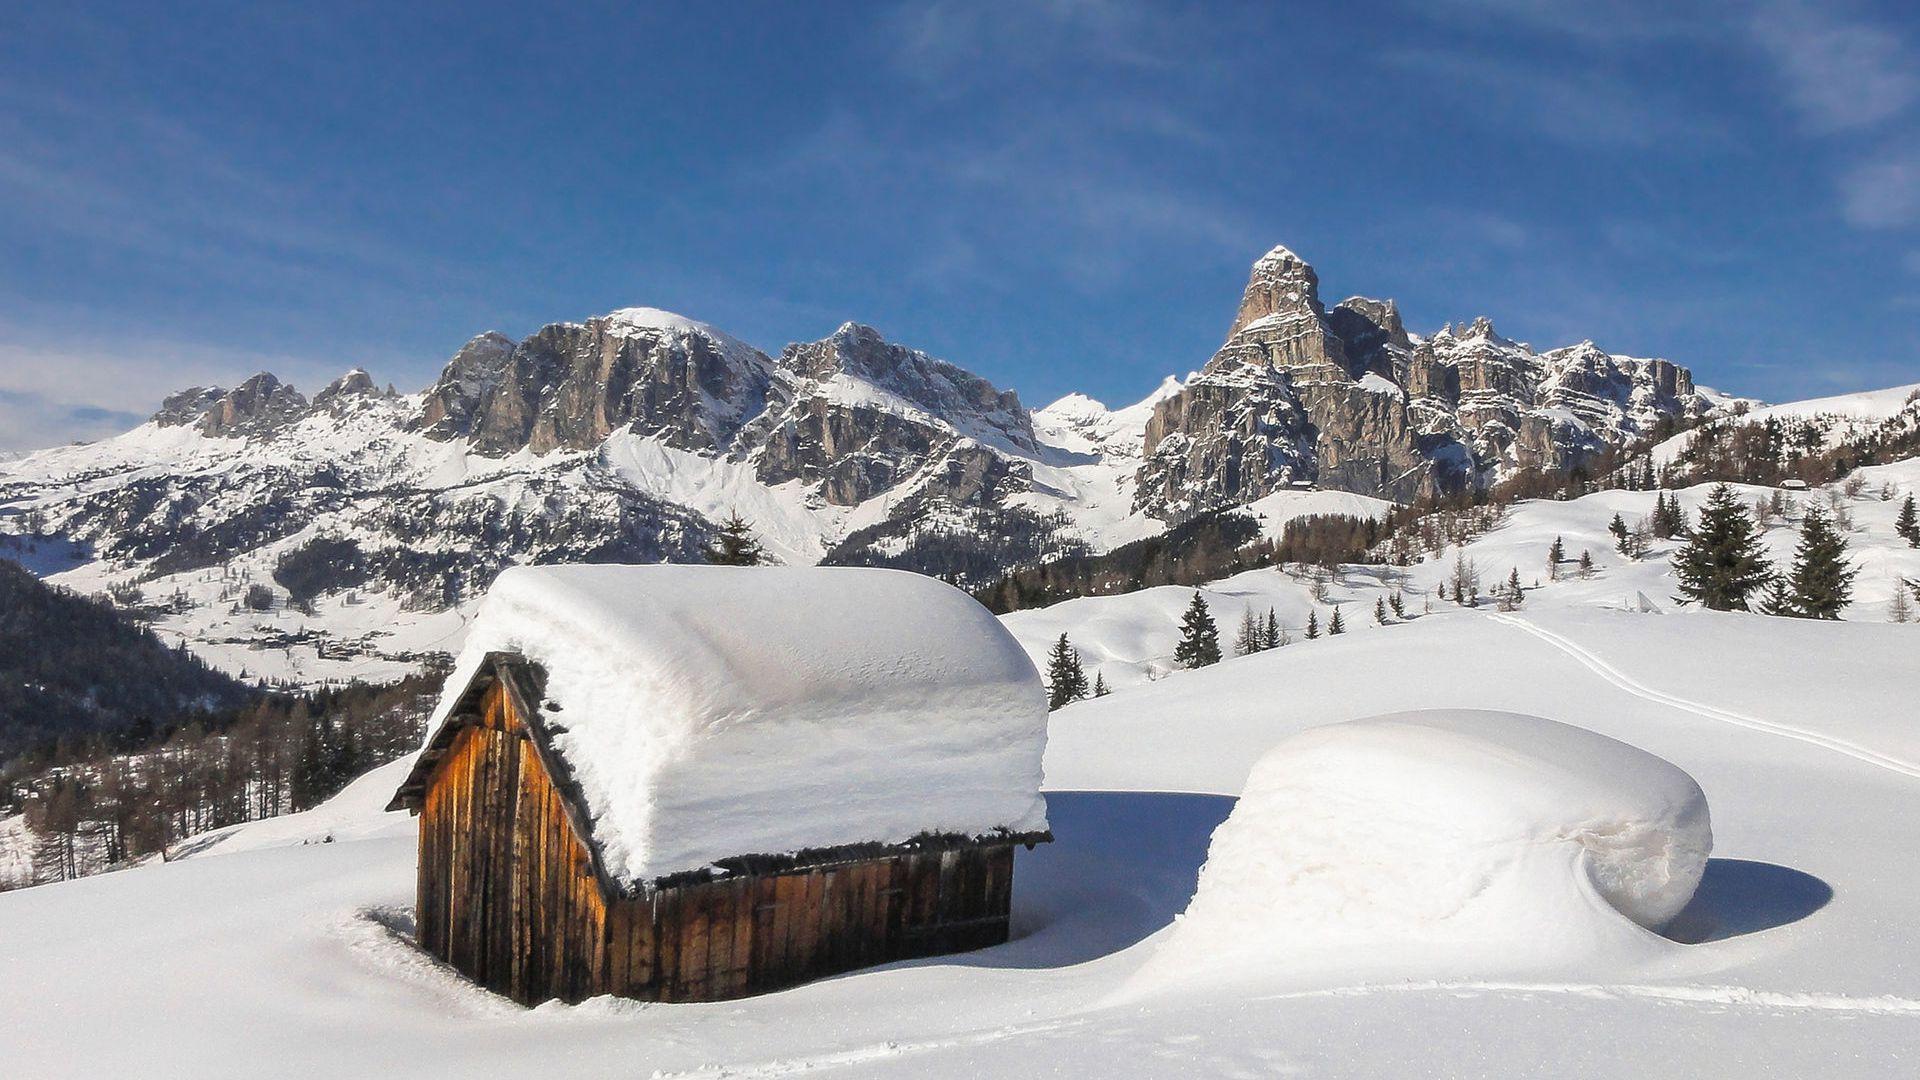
(1129, 638)
(1792, 960)
(346, 535)
(369, 520)
(1816, 423)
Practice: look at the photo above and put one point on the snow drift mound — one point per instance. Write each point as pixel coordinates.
(1448, 843)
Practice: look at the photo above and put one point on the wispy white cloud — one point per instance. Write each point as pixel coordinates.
(1605, 24)
(1840, 73)
(1883, 191)
(145, 184)
(1049, 174)
(57, 388)
(31, 421)
(956, 42)
(1590, 107)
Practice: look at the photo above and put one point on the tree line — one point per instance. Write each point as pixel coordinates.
(100, 803)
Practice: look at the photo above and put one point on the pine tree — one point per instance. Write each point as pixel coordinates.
(1100, 687)
(1618, 527)
(1313, 625)
(1466, 578)
(1398, 602)
(1586, 563)
(735, 544)
(1199, 637)
(1556, 555)
(1777, 600)
(1899, 609)
(1066, 679)
(1668, 519)
(1248, 641)
(1515, 594)
(1822, 577)
(1336, 625)
(1908, 523)
(1722, 562)
(1380, 610)
(1271, 639)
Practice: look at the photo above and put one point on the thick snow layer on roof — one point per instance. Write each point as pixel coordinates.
(712, 712)
(1483, 841)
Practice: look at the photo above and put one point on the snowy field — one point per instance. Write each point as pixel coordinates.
(287, 940)
(1129, 638)
(1798, 956)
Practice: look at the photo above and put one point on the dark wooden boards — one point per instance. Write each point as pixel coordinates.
(511, 895)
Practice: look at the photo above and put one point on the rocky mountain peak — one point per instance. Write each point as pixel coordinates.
(651, 321)
(472, 375)
(857, 366)
(187, 406)
(354, 384)
(1479, 330)
(1282, 286)
(1349, 399)
(1482, 327)
(1372, 336)
(254, 407)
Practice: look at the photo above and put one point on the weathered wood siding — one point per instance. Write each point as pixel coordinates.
(507, 895)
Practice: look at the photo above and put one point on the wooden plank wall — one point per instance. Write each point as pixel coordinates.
(506, 890)
(507, 895)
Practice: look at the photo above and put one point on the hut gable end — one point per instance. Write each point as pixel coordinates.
(573, 840)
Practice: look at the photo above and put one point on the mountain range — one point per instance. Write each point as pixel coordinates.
(372, 517)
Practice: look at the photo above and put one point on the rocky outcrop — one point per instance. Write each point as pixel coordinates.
(1295, 395)
(1226, 438)
(341, 393)
(255, 407)
(861, 416)
(454, 405)
(188, 406)
(572, 384)
(1348, 399)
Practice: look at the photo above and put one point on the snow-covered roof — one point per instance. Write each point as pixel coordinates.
(709, 712)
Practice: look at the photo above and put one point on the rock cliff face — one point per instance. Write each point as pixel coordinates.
(572, 384)
(861, 416)
(1348, 399)
(258, 405)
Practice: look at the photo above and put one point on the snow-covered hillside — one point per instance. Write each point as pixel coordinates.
(1129, 638)
(285, 941)
(1821, 422)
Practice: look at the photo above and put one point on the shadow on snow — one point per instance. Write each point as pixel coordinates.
(1738, 896)
(1121, 866)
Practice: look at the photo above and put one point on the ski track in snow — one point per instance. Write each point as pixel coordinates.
(871, 1052)
(1639, 689)
(1726, 996)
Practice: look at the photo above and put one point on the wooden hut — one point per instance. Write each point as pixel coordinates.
(697, 783)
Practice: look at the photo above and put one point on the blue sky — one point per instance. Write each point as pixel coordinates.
(1061, 194)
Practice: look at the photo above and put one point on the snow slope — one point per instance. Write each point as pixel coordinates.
(1797, 958)
(1841, 416)
(1129, 638)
